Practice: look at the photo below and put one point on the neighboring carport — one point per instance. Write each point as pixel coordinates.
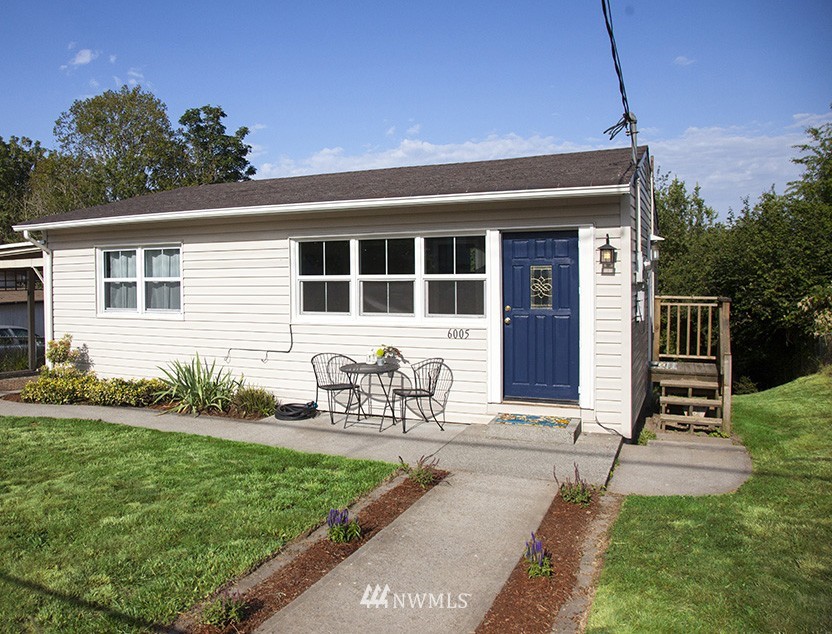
(21, 280)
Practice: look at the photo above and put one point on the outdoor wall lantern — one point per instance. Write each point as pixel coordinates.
(608, 257)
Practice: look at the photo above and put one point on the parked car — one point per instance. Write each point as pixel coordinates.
(14, 348)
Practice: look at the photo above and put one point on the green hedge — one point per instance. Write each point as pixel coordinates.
(66, 386)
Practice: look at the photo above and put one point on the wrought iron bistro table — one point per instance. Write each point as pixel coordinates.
(357, 370)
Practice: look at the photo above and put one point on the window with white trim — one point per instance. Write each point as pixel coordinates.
(153, 286)
(386, 275)
(414, 277)
(120, 280)
(455, 276)
(324, 275)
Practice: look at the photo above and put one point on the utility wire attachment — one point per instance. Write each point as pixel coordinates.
(628, 119)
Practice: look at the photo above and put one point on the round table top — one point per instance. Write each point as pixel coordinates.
(371, 368)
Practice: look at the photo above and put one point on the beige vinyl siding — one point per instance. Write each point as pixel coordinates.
(237, 294)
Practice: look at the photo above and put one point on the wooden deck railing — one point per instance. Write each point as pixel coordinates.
(696, 329)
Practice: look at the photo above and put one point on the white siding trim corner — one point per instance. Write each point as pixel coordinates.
(586, 304)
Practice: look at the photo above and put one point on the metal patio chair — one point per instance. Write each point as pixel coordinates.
(432, 380)
(330, 378)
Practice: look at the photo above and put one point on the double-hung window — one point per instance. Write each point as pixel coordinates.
(455, 275)
(121, 289)
(324, 276)
(386, 274)
(141, 280)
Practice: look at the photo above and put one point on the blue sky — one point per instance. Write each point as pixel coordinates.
(722, 90)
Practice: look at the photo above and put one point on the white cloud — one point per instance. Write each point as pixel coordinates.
(113, 59)
(258, 126)
(93, 83)
(83, 57)
(416, 152)
(729, 163)
(681, 60)
(71, 46)
(135, 77)
(414, 129)
(808, 119)
(391, 131)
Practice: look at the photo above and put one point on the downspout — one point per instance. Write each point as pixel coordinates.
(47, 282)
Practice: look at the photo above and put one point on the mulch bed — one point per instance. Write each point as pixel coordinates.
(15, 383)
(531, 605)
(290, 581)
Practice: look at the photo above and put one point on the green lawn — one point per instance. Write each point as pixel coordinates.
(109, 528)
(759, 560)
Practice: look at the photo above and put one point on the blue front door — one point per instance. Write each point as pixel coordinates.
(540, 316)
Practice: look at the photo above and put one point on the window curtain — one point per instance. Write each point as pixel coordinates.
(161, 263)
(120, 264)
(162, 296)
(120, 295)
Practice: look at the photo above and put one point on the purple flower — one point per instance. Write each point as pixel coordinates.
(338, 518)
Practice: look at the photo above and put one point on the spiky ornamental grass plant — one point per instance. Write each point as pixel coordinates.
(539, 561)
(195, 387)
(577, 492)
(341, 528)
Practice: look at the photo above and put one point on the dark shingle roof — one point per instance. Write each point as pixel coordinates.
(552, 171)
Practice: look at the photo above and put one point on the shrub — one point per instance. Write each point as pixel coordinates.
(539, 561)
(119, 392)
(341, 529)
(195, 387)
(59, 388)
(227, 608)
(744, 385)
(577, 492)
(425, 473)
(14, 360)
(59, 351)
(254, 400)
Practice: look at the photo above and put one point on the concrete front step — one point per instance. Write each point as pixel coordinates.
(528, 431)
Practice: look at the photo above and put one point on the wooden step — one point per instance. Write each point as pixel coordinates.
(695, 401)
(690, 420)
(696, 385)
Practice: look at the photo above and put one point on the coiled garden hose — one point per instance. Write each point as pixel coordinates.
(296, 411)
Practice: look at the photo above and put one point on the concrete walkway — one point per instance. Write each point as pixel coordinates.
(681, 465)
(440, 564)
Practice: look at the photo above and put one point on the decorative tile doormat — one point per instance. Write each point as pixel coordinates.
(529, 419)
(537, 429)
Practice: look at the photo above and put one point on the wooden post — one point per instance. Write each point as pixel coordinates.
(657, 327)
(30, 305)
(725, 355)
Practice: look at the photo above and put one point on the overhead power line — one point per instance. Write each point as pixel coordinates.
(628, 119)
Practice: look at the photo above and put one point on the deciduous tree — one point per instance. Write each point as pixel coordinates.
(212, 155)
(126, 134)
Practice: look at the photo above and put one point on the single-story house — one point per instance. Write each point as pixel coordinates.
(494, 266)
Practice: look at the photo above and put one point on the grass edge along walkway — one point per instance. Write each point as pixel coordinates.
(758, 560)
(111, 528)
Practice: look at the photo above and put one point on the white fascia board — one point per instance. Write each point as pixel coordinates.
(339, 205)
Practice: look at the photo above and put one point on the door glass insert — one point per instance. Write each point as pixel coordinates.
(541, 286)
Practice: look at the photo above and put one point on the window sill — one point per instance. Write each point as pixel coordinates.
(382, 320)
(163, 316)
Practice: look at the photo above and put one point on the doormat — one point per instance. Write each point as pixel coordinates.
(530, 419)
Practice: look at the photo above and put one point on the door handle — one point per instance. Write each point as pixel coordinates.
(507, 320)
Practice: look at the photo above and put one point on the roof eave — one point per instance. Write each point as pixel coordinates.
(335, 206)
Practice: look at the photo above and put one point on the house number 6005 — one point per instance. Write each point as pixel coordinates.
(459, 333)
